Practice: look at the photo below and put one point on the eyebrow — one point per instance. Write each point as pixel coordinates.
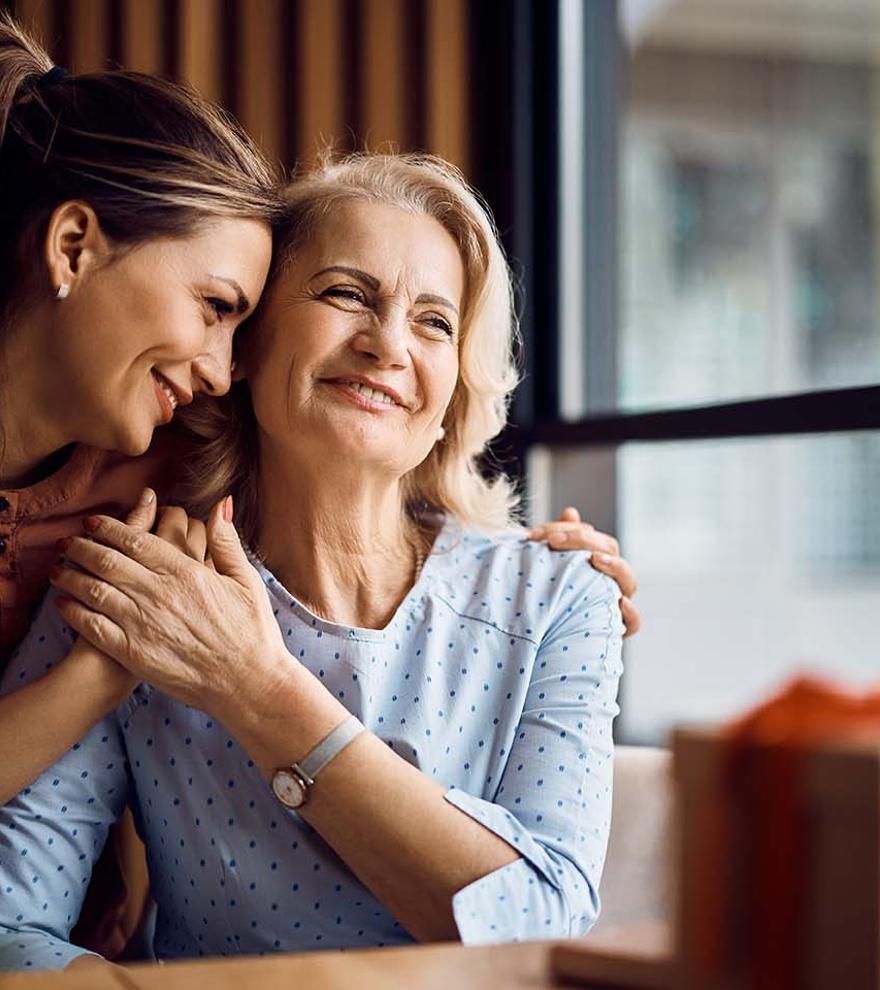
(373, 283)
(242, 303)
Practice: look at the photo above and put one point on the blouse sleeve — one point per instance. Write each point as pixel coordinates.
(553, 803)
(52, 833)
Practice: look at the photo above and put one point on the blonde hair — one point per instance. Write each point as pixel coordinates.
(450, 479)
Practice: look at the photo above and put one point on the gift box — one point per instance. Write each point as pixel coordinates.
(779, 846)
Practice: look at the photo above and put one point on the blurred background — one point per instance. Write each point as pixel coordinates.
(689, 191)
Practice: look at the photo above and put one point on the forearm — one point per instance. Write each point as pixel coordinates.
(42, 720)
(388, 821)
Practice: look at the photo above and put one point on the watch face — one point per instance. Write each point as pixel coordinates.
(287, 789)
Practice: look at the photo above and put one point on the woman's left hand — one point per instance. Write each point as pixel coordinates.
(570, 533)
(205, 635)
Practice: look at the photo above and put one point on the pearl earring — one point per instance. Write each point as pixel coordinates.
(63, 291)
(441, 433)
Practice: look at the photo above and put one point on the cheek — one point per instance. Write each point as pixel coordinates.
(442, 382)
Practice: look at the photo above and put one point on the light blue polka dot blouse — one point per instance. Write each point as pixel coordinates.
(497, 676)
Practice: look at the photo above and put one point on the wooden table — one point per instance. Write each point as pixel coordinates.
(520, 966)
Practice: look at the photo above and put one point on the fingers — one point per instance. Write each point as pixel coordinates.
(617, 568)
(224, 545)
(570, 514)
(632, 618)
(91, 591)
(542, 531)
(96, 629)
(197, 539)
(105, 563)
(187, 535)
(582, 537)
(143, 515)
(151, 552)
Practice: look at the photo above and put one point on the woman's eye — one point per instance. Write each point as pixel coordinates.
(220, 306)
(345, 292)
(438, 323)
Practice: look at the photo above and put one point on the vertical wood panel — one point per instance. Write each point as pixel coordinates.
(88, 36)
(448, 80)
(261, 81)
(200, 46)
(383, 82)
(36, 17)
(320, 91)
(142, 36)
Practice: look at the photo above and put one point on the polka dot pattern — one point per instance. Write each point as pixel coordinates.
(497, 677)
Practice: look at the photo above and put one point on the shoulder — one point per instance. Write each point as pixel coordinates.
(519, 585)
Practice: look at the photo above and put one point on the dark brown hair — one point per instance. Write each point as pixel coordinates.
(153, 159)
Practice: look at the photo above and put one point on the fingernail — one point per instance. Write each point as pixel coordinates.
(54, 571)
(148, 496)
(556, 538)
(91, 524)
(62, 600)
(536, 532)
(62, 545)
(228, 509)
(603, 558)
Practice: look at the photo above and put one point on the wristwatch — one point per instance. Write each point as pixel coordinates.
(291, 785)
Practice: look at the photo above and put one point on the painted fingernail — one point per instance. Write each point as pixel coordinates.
(62, 545)
(91, 524)
(54, 571)
(62, 600)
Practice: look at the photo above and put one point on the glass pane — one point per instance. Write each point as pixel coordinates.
(755, 558)
(750, 199)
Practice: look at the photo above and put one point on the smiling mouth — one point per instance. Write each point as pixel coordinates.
(367, 392)
(167, 390)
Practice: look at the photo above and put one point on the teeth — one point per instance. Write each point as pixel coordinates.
(172, 398)
(371, 393)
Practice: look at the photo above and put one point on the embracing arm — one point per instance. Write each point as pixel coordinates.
(42, 720)
(529, 861)
(45, 717)
(53, 830)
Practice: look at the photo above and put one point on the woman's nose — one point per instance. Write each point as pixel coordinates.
(212, 370)
(386, 339)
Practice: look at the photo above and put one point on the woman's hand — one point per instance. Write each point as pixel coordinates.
(569, 533)
(205, 635)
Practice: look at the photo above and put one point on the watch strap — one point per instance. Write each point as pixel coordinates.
(330, 746)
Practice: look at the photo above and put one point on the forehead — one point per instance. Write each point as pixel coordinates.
(229, 247)
(389, 243)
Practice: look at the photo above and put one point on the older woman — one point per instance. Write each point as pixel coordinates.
(410, 736)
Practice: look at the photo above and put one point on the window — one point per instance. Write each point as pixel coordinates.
(714, 393)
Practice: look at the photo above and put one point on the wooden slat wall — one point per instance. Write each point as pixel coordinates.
(300, 74)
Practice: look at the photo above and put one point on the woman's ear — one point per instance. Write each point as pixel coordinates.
(74, 245)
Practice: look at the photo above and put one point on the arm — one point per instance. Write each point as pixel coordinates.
(53, 831)
(43, 719)
(47, 715)
(450, 865)
(240, 671)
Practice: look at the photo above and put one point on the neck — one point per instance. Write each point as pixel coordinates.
(31, 437)
(343, 545)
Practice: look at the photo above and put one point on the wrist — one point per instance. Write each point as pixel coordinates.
(100, 674)
(284, 714)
